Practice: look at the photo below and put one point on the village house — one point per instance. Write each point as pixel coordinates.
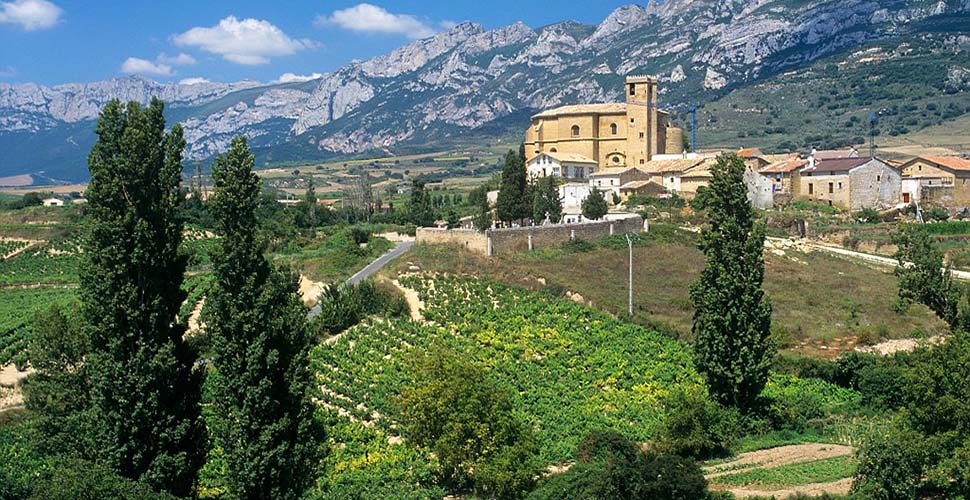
(53, 202)
(784, 175)
(668, 173)
(612, 180)
(851, 183)
(611, 134)
(569, 166)
(940, 180)
(832, 154)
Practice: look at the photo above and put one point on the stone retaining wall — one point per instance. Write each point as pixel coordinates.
(524, 239)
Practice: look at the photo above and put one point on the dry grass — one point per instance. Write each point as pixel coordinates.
(822, 304)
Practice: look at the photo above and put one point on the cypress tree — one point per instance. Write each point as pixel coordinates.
(514, 199)
(263, 414)
(732, 314)
(594, 207)
(144, 392)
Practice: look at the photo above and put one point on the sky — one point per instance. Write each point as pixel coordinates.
(59, 41)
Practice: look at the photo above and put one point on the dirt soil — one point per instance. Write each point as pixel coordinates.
(310, 290)
(777, 457)
(11, 395)
(414, 301)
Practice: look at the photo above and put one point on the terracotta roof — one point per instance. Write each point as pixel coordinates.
(748, 152)
(951, 162)
(679, 165)
(583, 109)
(569, 157)
(639, 185)
(833, 154)
(611, 171)
(783, 166)
(780, 157)
(840, 165)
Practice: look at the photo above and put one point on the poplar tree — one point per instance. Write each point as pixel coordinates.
(514, 200)
(262, 384)
(732, 314)
(144, 393)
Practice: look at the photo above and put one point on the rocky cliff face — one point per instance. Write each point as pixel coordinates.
(467, 77)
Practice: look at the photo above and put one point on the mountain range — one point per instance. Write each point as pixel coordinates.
(471, 82)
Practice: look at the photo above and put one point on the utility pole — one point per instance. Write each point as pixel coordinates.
(629, 243)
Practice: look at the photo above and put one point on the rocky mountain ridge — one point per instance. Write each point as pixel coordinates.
(468, 77)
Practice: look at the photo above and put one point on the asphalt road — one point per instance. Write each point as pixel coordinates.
(368, 270)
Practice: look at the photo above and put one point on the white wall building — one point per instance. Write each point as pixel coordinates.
(569, 166)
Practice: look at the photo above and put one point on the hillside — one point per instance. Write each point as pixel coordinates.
(468, 84)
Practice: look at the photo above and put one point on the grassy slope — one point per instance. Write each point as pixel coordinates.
(818, 304)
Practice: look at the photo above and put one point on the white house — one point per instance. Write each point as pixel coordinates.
(610, 181)
(572, 194)
(569, 166)
(53, 202)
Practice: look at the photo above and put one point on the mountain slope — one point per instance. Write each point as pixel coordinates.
(468, 79)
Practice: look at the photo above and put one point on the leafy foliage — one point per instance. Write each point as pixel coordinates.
(594, 206)
(343, 307)
(732, 318)
(263, 415)
(922, 280)
(470, 423)
(611, 467)
(514, 202)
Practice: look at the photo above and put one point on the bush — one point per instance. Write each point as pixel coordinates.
(577, 246)
(71, 478)
(612, 467)
(890, 466)
(343, 307)
(867, 216)
(698, 427)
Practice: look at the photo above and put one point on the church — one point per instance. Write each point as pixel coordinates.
(607, 135)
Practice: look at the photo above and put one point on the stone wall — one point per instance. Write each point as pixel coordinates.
(469, 238)
(519, 239)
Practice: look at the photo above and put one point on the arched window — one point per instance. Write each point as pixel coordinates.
(613, 128)
(575, 130)
(552, 150)
(616, 159)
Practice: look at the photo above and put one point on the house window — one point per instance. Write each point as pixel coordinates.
(878, 178)
(831, 188)
(840, 186)
(919, 167)
(613, 128)
(633, 89)
(575, 130)
(811, 188)
(641, 135)
(778, 177)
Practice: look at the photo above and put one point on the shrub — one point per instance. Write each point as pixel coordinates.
(71, 478)
(577, 246)
(867, 216)
(890, 466)
(613, 467)
(698, 427)
(343, 307)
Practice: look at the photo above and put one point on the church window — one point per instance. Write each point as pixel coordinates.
(641, 135)
(553, 150)
(575, 130)
(613, 128)
(633, 89)
(616, 159)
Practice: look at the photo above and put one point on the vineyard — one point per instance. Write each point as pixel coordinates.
(52, 263)
(576, 370)
(17, 311)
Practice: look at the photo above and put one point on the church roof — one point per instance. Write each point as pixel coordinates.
(584, 109)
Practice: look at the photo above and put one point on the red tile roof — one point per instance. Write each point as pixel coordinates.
(783, 166)
(840, 165)
(951, 162)
(748, 152)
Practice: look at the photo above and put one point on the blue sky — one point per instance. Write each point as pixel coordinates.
(59, 41)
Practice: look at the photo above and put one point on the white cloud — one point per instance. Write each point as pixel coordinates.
(30, 14)
(447, 24)
(367, 18)
(245, 41)
(193, 81)
(134, 65)
(162, 66)
(292, 77)
(182, 59)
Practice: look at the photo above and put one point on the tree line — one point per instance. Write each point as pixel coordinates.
(118, 382)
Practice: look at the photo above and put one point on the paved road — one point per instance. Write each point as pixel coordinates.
(400, 248)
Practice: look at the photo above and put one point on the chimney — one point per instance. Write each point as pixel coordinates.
(811, 159)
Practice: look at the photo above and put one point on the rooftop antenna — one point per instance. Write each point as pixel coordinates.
(873, 118)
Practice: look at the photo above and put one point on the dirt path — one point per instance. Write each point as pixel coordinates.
(310, 290)
(415, 306)
(840, 487)
(889, 347)
(777, 457)
(11, 395)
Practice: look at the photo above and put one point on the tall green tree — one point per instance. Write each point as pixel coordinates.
(514, 200)
(546, 201)
(420, 209)
(144, 390)
(257, 324)
(594, 206)
(311, 202)
(732, 315)
(922, 277)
